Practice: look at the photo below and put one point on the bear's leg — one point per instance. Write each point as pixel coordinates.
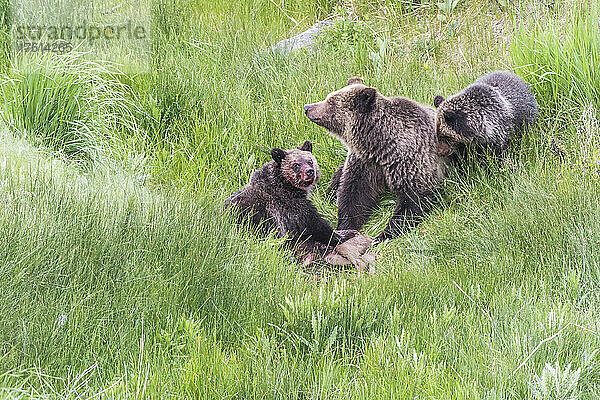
(361, 185)
(319, 230)
(409, 211)
(335, 182)
(397, 224)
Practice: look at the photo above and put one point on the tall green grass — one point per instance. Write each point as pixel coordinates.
(119, 290)
(161, 295)
(109, 264)
(5, 26)
(67, 104)
(560, 57)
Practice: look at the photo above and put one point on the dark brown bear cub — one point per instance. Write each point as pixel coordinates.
(276, 198)
(391, 144)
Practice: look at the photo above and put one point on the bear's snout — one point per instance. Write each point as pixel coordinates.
(307, 176)
(321, 114)
(312, 111)
(444, 148)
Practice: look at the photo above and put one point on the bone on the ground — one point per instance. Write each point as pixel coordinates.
(354, 247)
(334, 258)
(353, 251)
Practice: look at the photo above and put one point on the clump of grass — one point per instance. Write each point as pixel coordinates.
(560, 58)
(69, 105)
(556, 383)
(5, 26)
(330, 320)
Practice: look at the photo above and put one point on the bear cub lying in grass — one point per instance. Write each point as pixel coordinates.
(276, 198)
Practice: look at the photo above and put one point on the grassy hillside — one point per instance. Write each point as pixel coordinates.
(122, 277)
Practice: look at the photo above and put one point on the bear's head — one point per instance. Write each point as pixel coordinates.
(452, 125)
(460, 117)
(298, 166)
(343, 108)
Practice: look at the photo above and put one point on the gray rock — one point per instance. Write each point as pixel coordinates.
(304, 40)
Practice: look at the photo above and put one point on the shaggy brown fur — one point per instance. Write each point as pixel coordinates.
(392, 145)
(486, 114)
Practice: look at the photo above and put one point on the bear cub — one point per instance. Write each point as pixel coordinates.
(276, 198)
(486, 114)
(391, 144)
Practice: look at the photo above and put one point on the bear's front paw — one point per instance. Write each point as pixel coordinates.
(346, 234)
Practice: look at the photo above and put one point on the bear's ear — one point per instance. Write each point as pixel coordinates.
(307, 146)
(438, 100)
(365, 99)
(278, 155)
(354, 79)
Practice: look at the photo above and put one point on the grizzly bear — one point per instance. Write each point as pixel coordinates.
(391, 144)
(486, 114)
(276, 198)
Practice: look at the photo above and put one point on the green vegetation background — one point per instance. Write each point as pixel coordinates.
(121, 278)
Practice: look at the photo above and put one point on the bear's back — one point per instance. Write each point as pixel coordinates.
(416, 119)
(516, 91)
(411, 110)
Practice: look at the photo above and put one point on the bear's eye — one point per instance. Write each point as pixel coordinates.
(296, 167)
